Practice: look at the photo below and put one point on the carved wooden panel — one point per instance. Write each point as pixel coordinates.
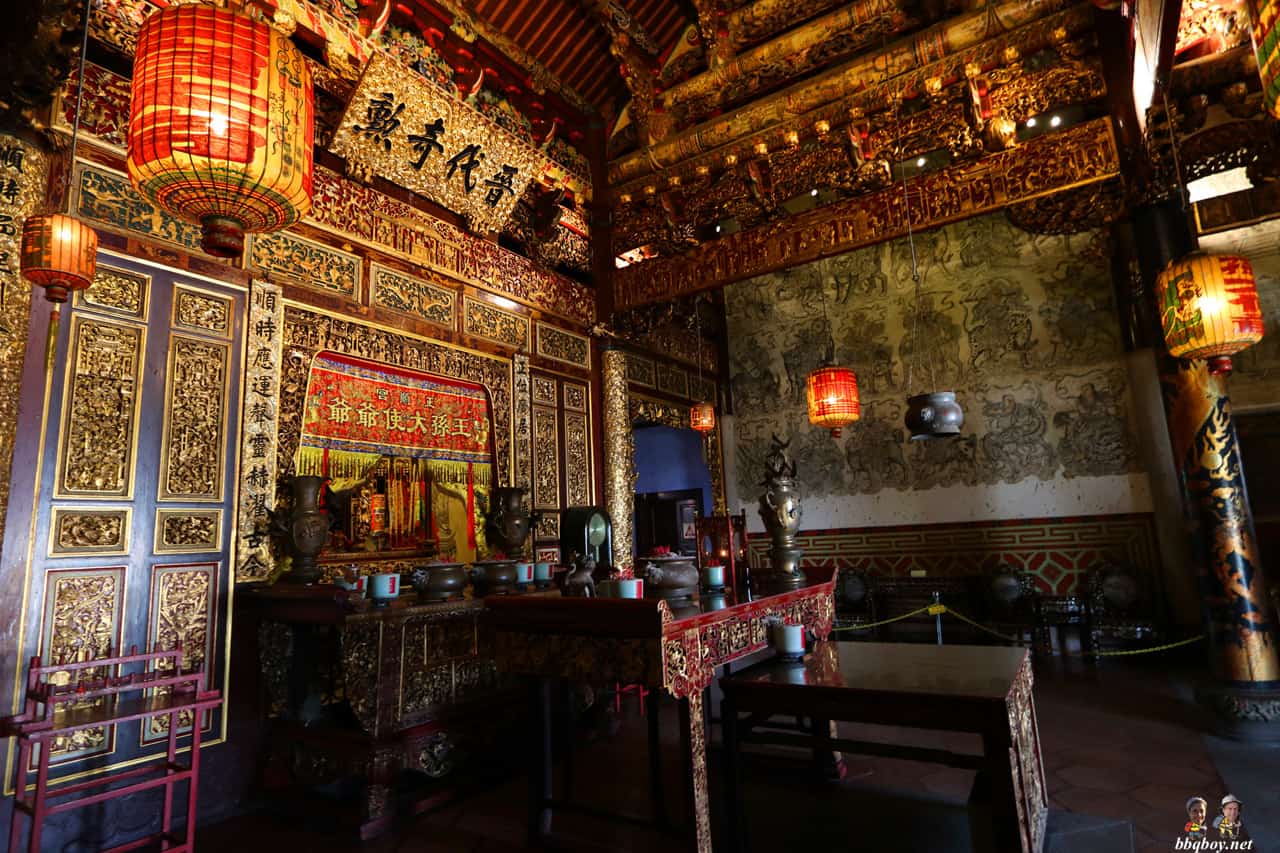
(191, 461)
(575, 396)
(403, 293)
(544, 390)
(546, 458)
(116, 291)
(188, 531)
(82, 618)
(494, 324)
(557, 344)
(98, 440)
(672, 379)
(260, 436)
(307, 262)
(640, 371)
(78, 530)
(181, 611)
(201, 311)
(577, 459)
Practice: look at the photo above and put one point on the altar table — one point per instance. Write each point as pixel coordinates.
(674, 646)
(984, 690)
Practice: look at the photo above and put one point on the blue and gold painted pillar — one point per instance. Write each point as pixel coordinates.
(1238, 614)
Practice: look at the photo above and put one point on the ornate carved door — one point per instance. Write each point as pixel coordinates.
(136, 486)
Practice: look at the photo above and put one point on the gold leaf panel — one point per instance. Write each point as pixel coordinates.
(191, 463)
(89, 530)
(82, 622)
(100, 410)
(564, 346)
(406, 294)
(544, 390)
(188, 531)
(640, 371)
(200, 311)
(673, 380)
(309, 263)
(494, 324)
(577, 459)
(117, 291)
(182, 602)
(575, 397)
(546, 459)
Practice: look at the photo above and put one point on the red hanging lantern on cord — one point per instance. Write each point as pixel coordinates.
(59, 253)
(1209, 308)
(702, 417)
(221, 124)
(833, 398)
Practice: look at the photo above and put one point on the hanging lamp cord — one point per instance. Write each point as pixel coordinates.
(75, 125)
(915, 266)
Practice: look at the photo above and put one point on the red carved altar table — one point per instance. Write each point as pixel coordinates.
(673, 646)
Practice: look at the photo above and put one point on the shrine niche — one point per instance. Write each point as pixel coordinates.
(407, 458)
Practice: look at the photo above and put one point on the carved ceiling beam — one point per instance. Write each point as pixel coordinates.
(715, 34)
(866, 84)
(1081, 155)
(758, 21)
(791, 55)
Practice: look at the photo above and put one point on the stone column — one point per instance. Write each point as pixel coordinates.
(1239, 618)
(619, 455)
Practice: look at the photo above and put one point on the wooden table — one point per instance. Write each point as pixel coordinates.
(668, 645)
(978, 689)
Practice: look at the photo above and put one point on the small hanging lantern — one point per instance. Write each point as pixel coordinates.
(702, 417)
(1209, 308)
(59, 253)
(1265, 17)
(833, 398)
(221, 124)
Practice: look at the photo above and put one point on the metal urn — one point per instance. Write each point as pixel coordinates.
(780, 510)
(508, 522)
(934, 415)
(308, 528)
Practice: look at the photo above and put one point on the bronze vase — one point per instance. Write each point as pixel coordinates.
(308, 528)
(508, 522)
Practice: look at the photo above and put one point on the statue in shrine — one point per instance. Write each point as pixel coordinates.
(581, 581)
(780, 511)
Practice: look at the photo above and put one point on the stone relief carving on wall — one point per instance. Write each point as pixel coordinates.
(1021, 326)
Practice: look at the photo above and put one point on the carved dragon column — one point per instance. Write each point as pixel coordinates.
(619, 455)
(1240, 619)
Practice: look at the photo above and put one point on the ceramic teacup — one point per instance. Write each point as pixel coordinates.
(359, 586)
(524, 573)
(385, 587)
(629, 588)
(541, 572)
(787, 639)
(713, 576)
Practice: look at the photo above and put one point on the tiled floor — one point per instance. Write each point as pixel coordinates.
(1122, 754)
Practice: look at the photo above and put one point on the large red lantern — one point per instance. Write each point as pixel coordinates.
(221, 124)
(702, 416)
(833, 398)
(1209, 308)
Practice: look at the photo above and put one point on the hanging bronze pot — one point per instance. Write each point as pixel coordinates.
(934, 415)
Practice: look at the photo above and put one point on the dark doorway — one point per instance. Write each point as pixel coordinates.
(668, 519)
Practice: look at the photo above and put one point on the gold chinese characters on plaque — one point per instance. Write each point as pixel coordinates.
(404, 128)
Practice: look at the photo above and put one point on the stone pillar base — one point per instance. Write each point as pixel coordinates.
(1243, 713)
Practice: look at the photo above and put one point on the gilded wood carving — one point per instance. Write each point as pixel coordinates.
(260, 408)
(415, 297)
(307, 262)
(494, 324)
(195, 420)
(546, 458)
(564, 346)
(188, 531)
(89, 530)
(182, 608)
(116, 291)
(200, 311)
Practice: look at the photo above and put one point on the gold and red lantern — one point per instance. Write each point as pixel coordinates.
(221, 123)
(702, 416)
(1209, 308)
(59, 253)
(833, 398)
(1265, 17)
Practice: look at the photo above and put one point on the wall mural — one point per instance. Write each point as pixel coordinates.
(1021, 326)
(1257, 369)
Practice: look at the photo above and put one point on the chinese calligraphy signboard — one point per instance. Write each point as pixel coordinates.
(358, 411)
(261, 416)
(404, 128)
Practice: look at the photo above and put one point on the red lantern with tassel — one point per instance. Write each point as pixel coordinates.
(59, 253)
(833, 398)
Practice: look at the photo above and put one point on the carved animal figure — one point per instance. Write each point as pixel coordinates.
(581, 581)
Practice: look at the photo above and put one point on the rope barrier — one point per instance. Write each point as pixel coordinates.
(937, 609)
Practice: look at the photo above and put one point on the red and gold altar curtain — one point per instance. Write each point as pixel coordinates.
(436, 433)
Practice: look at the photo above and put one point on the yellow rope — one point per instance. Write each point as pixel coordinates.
(936, 609)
